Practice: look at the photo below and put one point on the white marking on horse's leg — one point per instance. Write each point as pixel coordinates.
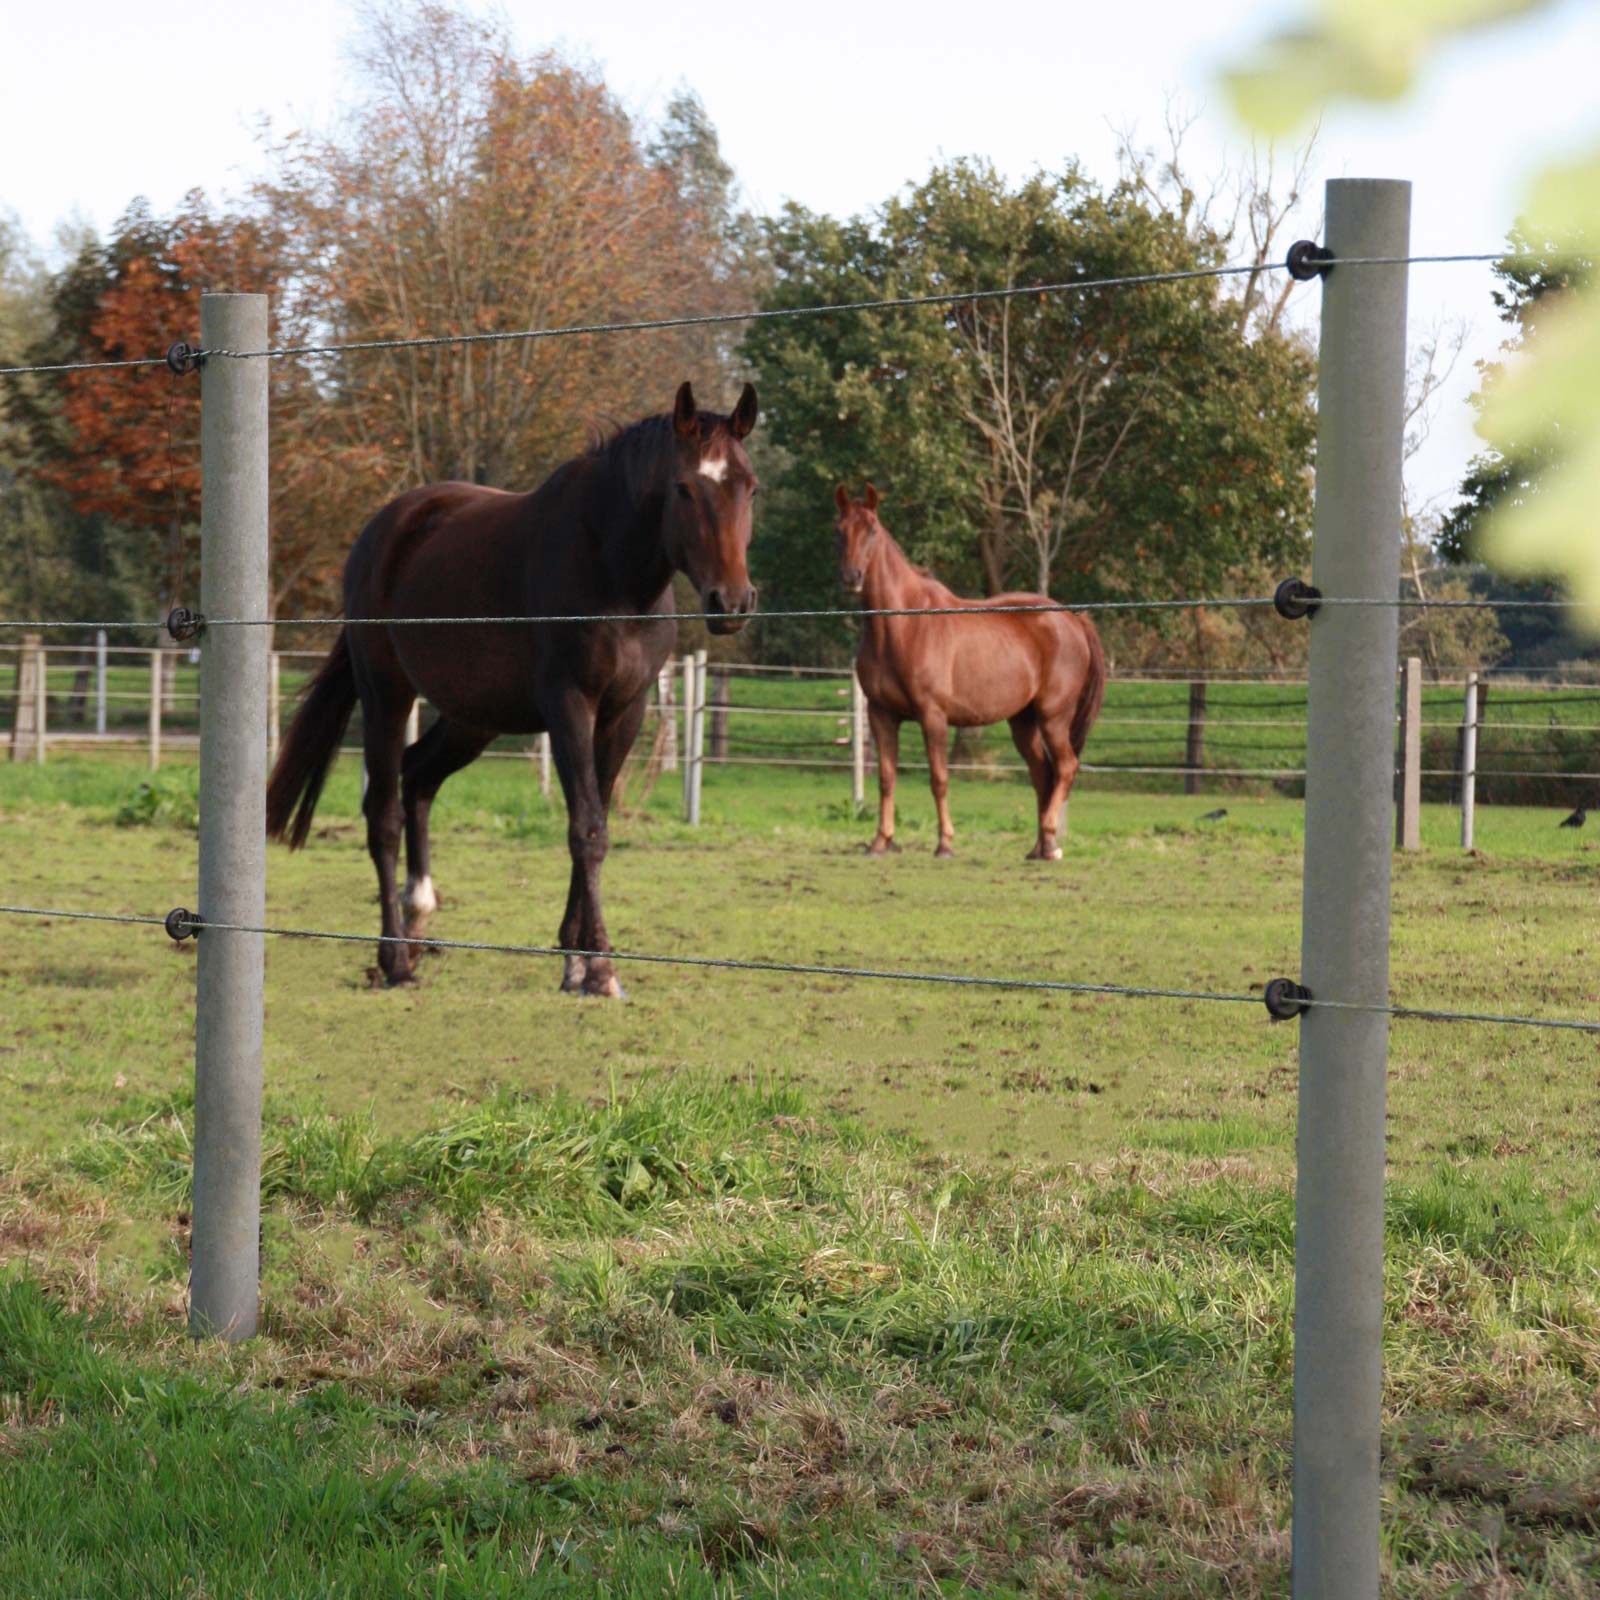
(576, 969)
(419, 898)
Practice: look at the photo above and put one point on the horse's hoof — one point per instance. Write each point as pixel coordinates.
(603, 986)
(573, 974)
(1039, 853)
(883, 847)
(944, 853)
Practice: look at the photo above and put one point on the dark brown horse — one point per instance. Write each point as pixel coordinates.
(1044, 672)
(603, 534)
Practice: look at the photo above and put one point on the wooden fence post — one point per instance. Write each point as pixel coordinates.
(155, 709)
(274, 707)
(1194, 748)
(1469, 759)
(41, 701)
(25, 714)
(688, 731)
(858, 744)
(544, 764)
(1408, 811)
(100, 681)
(697, 748)
(719, 714)
(667, 710)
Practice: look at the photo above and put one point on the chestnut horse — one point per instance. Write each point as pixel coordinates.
(603, 534)
(1044, 672)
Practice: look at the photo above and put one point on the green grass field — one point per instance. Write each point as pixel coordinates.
(758, 1285)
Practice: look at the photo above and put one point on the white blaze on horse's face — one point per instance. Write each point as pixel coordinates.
(715, 468)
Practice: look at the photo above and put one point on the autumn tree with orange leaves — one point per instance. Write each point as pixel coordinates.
(469, 191)
(478, 192)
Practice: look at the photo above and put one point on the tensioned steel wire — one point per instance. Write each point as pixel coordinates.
(974, 608)
(718, 318)
(196, 925)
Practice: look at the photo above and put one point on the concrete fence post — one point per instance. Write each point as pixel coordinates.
(697, 748)
(225, 1261)
(1408, 795)
(1338, 1360)
(100, 681)
(155, 709)
(1469, 759)
(858, 744)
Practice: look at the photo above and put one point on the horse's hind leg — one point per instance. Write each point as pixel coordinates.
(1057, 734)
(384, 737)
(1029, 740)
(444, 749)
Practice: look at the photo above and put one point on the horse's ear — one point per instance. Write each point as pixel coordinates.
(841, 498)
(685, 414)
(744, 414)
(870, 498)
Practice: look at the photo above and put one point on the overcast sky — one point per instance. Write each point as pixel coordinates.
(833, 105)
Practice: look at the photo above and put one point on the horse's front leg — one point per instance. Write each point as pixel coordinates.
(886, 735)
(589, 759)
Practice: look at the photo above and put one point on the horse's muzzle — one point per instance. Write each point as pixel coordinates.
(727, 610)
(853, 580)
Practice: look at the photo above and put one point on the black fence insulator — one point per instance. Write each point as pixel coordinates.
(184, 358)
(181, 924)
(1285, 999)
(184, 624)
(1294, 598)
(1308, 260)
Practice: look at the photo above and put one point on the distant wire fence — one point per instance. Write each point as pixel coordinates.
(1537, 743)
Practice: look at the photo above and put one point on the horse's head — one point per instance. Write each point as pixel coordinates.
(859, 528)
(709, 505)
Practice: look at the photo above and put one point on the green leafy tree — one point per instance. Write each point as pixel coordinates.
(1532, 274)
(1086, 444)
(56, 558)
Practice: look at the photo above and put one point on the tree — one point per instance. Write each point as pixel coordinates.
(1088, 444)
(1532, 275)
(56, 559)
(475, 191)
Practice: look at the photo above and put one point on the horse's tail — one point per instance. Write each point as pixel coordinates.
(308, 752)
(1094, 686)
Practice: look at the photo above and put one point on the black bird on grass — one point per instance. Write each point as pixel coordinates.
(1576, 820)
(1215, 816)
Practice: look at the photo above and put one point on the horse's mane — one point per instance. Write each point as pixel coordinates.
(640, 451)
